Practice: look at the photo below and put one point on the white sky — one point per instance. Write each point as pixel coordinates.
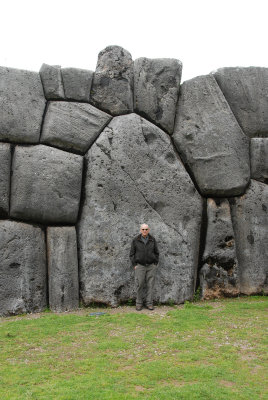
(203, 34)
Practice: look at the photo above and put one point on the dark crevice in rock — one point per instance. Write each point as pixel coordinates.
(186, 166)
(104, 127)
(202, 244)
(147, 118)
(83, 191)
(43, 120)
(12, 149)
(47, 272)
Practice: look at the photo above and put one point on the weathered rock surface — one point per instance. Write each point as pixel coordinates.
(218, 276)
(135, 176)
(249, 215)
(45, 185)
(77, 83)
(72, 126)
(52, 81)
(209, 139)
(156, 89)
(22, 105)
(22, 268)
(62, 268)
(246, 90)
(259, 159)
(5, 161)
(112, 88)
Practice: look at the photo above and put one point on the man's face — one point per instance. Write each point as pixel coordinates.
(144, 230)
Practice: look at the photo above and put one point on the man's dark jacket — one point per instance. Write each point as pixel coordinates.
(145, 254)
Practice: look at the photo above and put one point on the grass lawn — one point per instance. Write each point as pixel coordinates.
(205, 350)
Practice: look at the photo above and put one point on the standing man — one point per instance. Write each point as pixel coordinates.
(144, 257)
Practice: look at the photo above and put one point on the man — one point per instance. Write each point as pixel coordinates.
(144, 257)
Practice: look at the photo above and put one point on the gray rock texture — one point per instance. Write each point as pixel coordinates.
(135, 176)
(22, 105)
(246, 90)
(218, 276)
(45, 185)
(62, 268)
(52, 81)
(72, 126)
(209, 139)
(5, 164)
(23, 284)
(112, 88)
(156, 89)
(77, 83)
(249, 215)
(259, 159)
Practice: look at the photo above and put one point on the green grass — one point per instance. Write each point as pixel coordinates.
(215, 350)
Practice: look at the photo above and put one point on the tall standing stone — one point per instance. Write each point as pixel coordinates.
(22, 105)
(156, 89)
(112, 88)
(5, 161)
(209, 139)
(135, 176)
(62, 268)
(52, 81)
(259, 159)
(250, 221)
(23, 272)
(45, 185)
(218, 275)
(246, 90)
(72, 126)
(77, 83)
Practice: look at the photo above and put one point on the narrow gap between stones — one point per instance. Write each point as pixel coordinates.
(43, 120)
(12, 149)
(44, 228)
(202, 243)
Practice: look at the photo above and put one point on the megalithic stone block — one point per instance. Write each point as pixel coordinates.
(259, 159)
(23, 285)
(218, 276)
(45, 185)
(52, 81)
(112, 88)
(22, 105)
(77, 83)
(246, 90)
(250, 221)
(209, 139)
(5, 164)
(62, 268)
(134, 176)
(72, 126)
(156, 89)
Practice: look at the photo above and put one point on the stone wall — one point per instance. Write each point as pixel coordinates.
(86, 157)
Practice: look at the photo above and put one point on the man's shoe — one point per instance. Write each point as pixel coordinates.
(138, 308)
(151, 308)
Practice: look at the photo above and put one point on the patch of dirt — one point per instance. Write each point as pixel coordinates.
(226, 383)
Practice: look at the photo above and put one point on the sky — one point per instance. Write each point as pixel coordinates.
(203, 34)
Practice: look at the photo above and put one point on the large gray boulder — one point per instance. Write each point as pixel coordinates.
(45, 184)
(22, 105)
(135, 176)
(52, 81)
(249, 215)
(23, 286)
(72, 126)
(209, 139)
(112, 88)
(62, 268)
(5, 161)
(259, 159)
(246, 89)
(156, 89)
(77, 83)
(218, 275)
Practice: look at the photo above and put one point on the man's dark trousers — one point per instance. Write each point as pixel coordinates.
(145, 274)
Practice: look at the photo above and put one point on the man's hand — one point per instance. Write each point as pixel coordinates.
(135, 267)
